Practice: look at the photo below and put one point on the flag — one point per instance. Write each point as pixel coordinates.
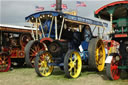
(64, 6)
(39, 8)
(53, 5)
(80, 3)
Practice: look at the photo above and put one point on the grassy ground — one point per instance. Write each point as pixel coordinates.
(28, 76)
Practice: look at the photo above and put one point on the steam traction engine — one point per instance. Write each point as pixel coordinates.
(12, 42)
(66, 41)
(117, 13)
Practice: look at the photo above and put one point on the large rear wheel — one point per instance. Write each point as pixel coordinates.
(96, 54)
(112, 71)
(31, 50)
(5, 62)
(72, 64)
(42, 61)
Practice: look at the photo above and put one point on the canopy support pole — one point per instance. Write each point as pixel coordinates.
(103, 26)
(42, 28)
(80, 28)
(36, 29)
(111, 16)
(61, 28)
(51, 27)
(94, 28)
(33, 34)
(56, 36)
(98, 31)
(32, 30)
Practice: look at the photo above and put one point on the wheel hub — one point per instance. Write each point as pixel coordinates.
(53, 48)
(44, 63)
(3, 62)
(117, 58)
(71, 64)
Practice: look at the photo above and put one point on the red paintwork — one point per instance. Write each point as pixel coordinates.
(115, 72)
(111, 4)
(113, 43)
(120, 35)
(17, 53)
(114, 67)
(35, 51)
(46, 39)
(12, 53)
(8, 66)
(5, 49)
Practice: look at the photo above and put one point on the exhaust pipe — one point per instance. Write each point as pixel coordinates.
(58, 5)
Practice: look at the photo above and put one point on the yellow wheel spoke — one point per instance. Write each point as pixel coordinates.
(100, 47)
(44, 70)
(75, 69)
(71, 73)
(45, 58)
(70, 64)
(75, 59)
(100, 61)
(74, 64)
(70, 69)
(70, 59)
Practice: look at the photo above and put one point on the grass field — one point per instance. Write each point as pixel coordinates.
(28, 76)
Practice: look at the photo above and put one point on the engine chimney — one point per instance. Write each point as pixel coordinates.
(58, 5)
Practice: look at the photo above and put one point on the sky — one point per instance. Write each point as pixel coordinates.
(13, 12)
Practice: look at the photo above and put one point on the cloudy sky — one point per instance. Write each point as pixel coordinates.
(13, 12)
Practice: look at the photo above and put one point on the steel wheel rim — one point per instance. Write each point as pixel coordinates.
(75, 64)
(5, 63)
(100, 56)
(44, 68)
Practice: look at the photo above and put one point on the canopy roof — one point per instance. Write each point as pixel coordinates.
(119, 9)
(66, 16)
(13, 28)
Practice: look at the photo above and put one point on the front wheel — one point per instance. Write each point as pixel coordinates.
(5, 62)
(112, 71)
(72, 64)
(42, 64)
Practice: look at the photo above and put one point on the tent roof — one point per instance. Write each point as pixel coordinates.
(120, 11)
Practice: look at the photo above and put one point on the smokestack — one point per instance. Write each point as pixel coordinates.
(58, 5)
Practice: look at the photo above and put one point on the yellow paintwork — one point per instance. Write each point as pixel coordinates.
(112, 50)
(75, 65)
(100, 56)
(46, 70)
(71, 13)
